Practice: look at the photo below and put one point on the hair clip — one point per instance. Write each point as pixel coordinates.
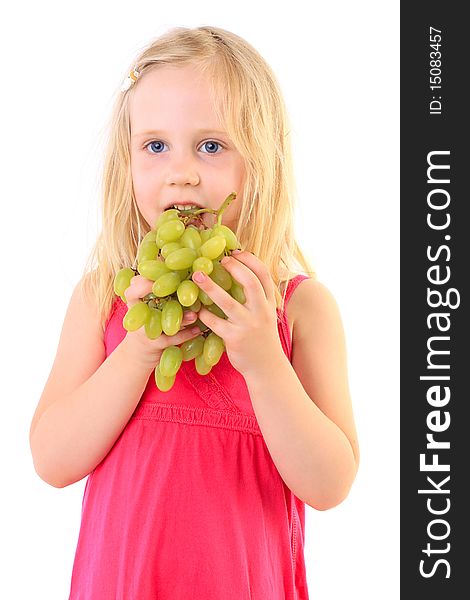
(130, 80)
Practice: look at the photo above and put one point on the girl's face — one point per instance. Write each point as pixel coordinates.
(179, 150)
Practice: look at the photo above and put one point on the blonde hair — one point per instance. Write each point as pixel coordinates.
(249, 103)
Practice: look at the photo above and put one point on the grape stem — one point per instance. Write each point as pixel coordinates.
(190, 213)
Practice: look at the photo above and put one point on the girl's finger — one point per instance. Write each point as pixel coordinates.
(183, 335)
(189, 316)
(139, 287)
(253, 275)
(223, 299)
(187, 333)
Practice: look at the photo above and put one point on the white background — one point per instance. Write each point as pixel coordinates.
(337, 63)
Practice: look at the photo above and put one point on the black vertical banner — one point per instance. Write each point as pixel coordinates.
(435, 332)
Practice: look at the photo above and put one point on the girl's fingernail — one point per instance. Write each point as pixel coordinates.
(236, 251)
(199, 276)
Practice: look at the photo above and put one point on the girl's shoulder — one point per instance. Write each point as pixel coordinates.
(289, 280)
(309, 301)
(292, 282)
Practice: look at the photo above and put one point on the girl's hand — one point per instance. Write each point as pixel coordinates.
(250, 331)
(141, 348)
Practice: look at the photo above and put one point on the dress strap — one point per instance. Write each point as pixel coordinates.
(292, 284)
(283, 322)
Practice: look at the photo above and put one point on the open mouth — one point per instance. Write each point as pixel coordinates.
(184, 207)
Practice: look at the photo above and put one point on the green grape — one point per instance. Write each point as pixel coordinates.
(213, 349)
(196, 307)
(163, 383)
(201, 366)
(166, 284)
(153, 326)
(152, 269)
(187, 292)
(184, 274)
(151, 236)
(205, 234)
(202, 263)
(228, 234)
(181, 259)
(202, 326)
(192, 348)
(236, 291)
(216, 310)
(172, 316)
(147, 251)
(167, 215)
(171, 231)
(136, 316)
(213, 247)
(191, 238)
(221, 276)
(122, 281)
(170, 247)
(170, 361)
(160, 242)
(204, 298)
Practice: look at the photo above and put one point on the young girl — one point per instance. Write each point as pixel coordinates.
(199, 492)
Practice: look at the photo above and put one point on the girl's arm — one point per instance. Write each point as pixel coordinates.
(304, 410)
(88, 398)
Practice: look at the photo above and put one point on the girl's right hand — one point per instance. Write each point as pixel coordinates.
(143, 349)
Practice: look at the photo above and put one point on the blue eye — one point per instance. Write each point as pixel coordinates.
(211, 143)
(157, 144)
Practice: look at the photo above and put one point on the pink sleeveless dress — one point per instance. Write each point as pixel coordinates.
(188, 504)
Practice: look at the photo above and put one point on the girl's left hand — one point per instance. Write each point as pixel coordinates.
(250, 331)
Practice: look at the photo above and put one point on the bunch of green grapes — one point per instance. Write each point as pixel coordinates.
(168, 255)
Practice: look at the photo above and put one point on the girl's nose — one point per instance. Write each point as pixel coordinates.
(181, 172)
(182, 178)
